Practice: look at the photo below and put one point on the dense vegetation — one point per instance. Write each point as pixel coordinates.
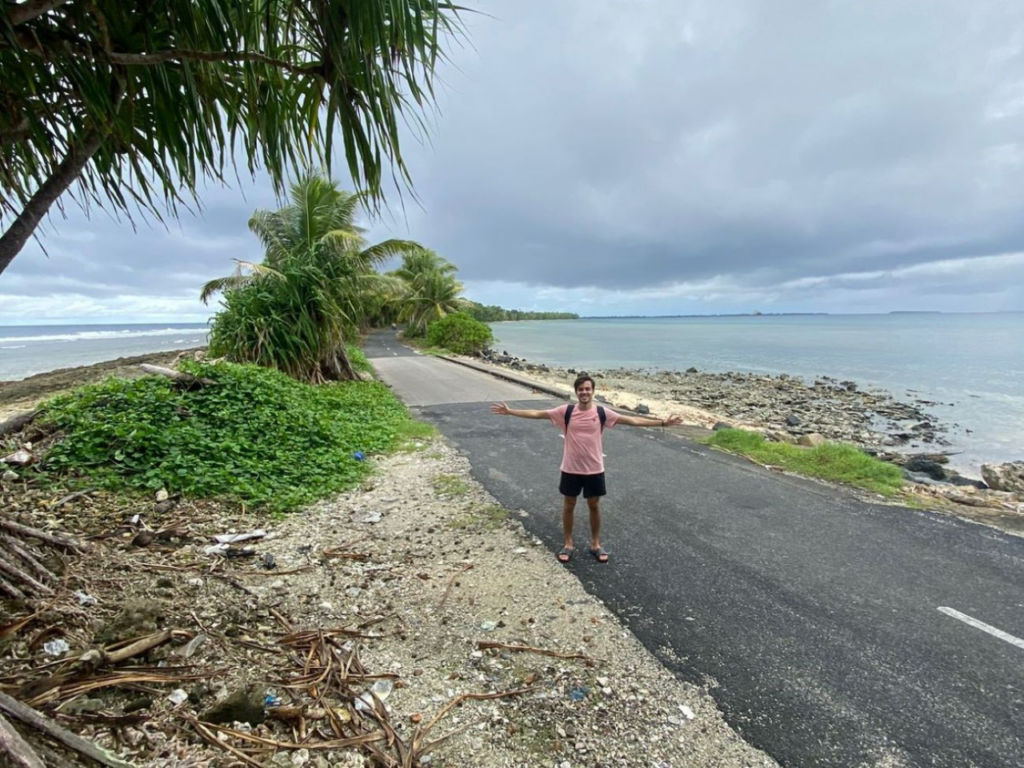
(832, 461)
(318, 286)
(254, 436)
(459, 333)
(495, 314)
(314, 289)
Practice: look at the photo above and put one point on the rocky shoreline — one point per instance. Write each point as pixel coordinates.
(787, 409)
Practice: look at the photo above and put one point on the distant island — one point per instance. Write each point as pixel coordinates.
(495, 314)
(723, 314)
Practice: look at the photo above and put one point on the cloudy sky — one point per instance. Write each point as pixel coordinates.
(661, 157)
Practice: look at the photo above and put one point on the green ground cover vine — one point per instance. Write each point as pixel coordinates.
(255, 436)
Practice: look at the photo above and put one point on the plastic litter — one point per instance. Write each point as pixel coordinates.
(487, 626)
(235, 538)
(381, 689)
(359, 456)
(177, 696)
(85, 599)
(56, 647)
(579, 694)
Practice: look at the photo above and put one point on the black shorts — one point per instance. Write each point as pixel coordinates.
(591, 485)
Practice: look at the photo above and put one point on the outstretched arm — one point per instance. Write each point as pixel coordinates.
(644, 421)
(503, 410)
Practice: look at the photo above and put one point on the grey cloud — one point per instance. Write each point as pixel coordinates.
(610, 144)
(634, 145)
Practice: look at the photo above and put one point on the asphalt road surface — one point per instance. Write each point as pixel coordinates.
(836, 632)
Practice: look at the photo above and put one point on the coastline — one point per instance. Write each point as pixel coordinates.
(835, 410)
(781, 406)
(19, 395)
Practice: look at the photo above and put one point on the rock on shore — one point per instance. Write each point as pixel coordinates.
(785, 406)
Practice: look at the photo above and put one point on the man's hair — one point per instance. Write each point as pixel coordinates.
(581, 380)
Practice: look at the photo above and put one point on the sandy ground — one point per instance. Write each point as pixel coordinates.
(435, 566)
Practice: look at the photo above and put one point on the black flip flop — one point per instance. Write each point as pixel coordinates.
(598, 553)
(567, 552)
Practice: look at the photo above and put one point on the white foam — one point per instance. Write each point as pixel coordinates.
(94, 335)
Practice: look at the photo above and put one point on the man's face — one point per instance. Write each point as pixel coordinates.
(585, 392)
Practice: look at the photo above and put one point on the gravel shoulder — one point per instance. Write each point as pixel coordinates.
(422, 565)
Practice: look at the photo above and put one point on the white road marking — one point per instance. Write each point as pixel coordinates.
(983, 626)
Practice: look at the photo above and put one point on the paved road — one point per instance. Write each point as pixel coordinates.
(817, 615)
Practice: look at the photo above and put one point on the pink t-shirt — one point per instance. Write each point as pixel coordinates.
(582, 454)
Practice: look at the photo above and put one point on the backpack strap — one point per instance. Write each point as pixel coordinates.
(601, 415)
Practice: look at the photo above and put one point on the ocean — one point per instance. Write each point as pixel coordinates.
(971, 363)
(29, 349)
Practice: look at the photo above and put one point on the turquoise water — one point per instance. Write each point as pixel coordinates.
(972, 363)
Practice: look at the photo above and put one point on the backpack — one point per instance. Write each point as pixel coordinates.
(602, 417)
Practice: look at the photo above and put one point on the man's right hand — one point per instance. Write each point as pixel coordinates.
(501, 409)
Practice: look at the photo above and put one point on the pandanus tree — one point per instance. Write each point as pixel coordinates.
(296, 309)
(133, 106)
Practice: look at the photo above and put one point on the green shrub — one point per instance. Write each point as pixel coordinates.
(832, 461)
(459, 333)
(357, 357)
(255, 435)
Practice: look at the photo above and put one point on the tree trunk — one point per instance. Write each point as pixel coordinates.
(337, 366)
(14, 239)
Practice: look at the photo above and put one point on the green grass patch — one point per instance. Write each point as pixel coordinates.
(449, 485)
(415, 436)
(255, 436)
(832, 461)
(490, 516)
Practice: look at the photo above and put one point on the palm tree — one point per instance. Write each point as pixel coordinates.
(137, 104)
(431, 295)
(317, 281)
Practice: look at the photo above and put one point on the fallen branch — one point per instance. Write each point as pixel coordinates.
(16, 748)
(179, 377)
(54, 539)
(294, 714)
(339, 553)
(451, 581)
(31, 717)
(71, 497)
(484, 645)
(205, 733)
(97, 657)
(275, 572)
(333, 744)
(23, 578)
(9, 589)
(461, 698)
(29, 559)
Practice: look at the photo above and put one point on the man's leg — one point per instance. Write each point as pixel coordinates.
(594, 504)
(568, 510)
(593, 493)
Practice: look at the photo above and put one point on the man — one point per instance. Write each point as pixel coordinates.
(582, 456)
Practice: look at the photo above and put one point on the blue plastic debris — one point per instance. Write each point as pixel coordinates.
(358, 456)
(272, 701)
(579, 694)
